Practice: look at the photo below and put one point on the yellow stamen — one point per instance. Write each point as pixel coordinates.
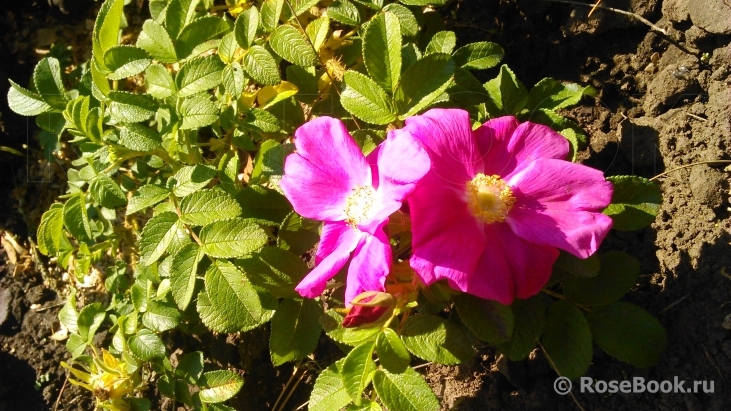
(359, 204)
(489, 198)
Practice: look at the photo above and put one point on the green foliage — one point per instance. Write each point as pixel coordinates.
(567, 340)
(635, 202)
(434, 339)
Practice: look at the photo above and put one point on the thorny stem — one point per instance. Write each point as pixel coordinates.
(690, 165)
(286, 386)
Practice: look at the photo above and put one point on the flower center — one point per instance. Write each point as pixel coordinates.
(489, 198)
(359, 204)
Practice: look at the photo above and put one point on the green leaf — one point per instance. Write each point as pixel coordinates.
(68, 316)
(47, 81)
(270, 12)
(198, 111)
(245, 27)
(106, 27)
(357, 370)
(190, 367)
(298, 234)
(155, 40)
(157, 235)
(106, 192)
(441, 42)
(317, 31)
(392, 352)
(478, 56)
(466, 89)
(233, 79)
(146, 196)
(365, 99)
(269, 164)
(404, 392)
(261, 121)
(553, 95)
(208, 206)
(146, 345)
(75, 345)
(50, 231)
(199, 31)
(567, 340)
(617, 275)
(329, 391)
(183, 272)
(228, 47)
(530, 318)
(332, 323)
(139, 138)
(489, 320)
(125, 61)
(100, 84)
(232, 238)
(424, 2)
(628, 333)
(261, 66)
(179, 14)
(24, 102)
(382, 50)
(581, 267)
(275, 270)
(507, 93)
(301, 6)
(131, 108)
(190, 179)
(435, 339)
(89, 320)
(218, 386)
(407, 21)
(343, 11)
(199, 74)
(160, 317)
(230, 303)
(635, 202)
(423, 82)
(295, 330)
(293, 46)
(76, 219)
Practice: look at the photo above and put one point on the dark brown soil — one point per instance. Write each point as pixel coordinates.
(663, 103)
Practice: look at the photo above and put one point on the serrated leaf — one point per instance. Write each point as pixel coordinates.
(47, 81)
(553, 95)
(199, 31)
(139, 138)
(24, 102)
(635, 202)
(392, 352)
(218, 386)
(424, 2)
(76, 218)
(157, 235)
(106, 192)
(406, 391)
(228, 48)
(276, 271)
(179, 14)
(68, 316)
(441, 42)
(208, 206)
(232, 238)
(75, 345)
(160, 317)
(50, 231)
(332, 323)
(270, 12)
(199, 74)
(617, 275)
(435, 339)
(507, 93)
(190, 179)
(489, 320)
(146, 196)
(478, 56)
(301, 6)
(125, 61)
(230, 303)
(329, 392)
(407, 21)
(317, 31)
(628, 333)
(261, 121)
(567, 340)
(357, 370)
(89, 320)
(365, 99)
(530, 318)
(345, 12)
(190, 367)
(233, 79)
(293, 46)
(305, 82)
(423, 82)
(155, 40)
(198, 111)
(106, 28)
(131, 108)
(183, 272)
(245, 27)
(100, 84)
(466, 89)
(298, 234)
(146, 345)
(295, 330)
(382, 50)
(265, 205)
(261, 66)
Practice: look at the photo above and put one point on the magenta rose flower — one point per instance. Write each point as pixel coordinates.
(329, 179)
(498, 203)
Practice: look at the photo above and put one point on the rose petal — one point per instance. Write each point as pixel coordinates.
(370, 265)
(492, 138)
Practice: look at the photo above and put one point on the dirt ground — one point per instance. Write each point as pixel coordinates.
(664, 102)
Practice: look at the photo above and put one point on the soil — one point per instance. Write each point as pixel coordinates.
(663, 103)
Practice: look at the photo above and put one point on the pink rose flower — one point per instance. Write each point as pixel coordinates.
(329, 179)
(498, 203)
